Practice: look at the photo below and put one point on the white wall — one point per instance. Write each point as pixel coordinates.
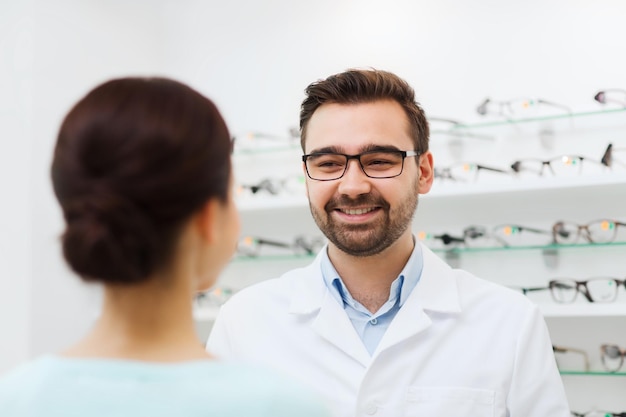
(254, 58)
(15, 175)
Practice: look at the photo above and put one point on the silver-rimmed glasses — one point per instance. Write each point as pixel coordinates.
(510, 108)
(465, 171)
(612, 357)
(560, 166)
(598, 231)
(328, 166)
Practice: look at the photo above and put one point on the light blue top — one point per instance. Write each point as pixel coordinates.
(372, 326)
(54, 386)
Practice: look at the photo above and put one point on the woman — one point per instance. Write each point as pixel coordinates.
(143, 174)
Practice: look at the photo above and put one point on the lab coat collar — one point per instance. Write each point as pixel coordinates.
(436, 290)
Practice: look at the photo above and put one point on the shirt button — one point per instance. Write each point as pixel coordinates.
(371, 409)
(373, 321)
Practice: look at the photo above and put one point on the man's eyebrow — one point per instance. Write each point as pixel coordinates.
(366, 148)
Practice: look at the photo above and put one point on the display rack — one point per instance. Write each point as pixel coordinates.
(449, 207)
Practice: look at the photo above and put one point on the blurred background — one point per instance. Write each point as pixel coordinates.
(254, 59)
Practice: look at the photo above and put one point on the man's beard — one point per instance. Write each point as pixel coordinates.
(370, 238)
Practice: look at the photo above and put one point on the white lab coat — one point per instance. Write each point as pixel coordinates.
(459, 347)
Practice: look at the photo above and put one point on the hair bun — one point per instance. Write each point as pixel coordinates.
(108, 239)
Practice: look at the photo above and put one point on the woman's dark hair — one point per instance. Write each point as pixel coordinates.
(356, 86)
(134, 159)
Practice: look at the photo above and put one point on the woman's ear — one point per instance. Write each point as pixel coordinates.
(206, 221)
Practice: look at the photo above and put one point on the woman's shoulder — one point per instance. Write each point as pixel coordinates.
(205, 387)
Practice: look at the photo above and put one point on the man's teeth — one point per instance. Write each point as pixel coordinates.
(357, 211)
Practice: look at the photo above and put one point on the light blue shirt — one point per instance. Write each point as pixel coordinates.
(372, 326)
(54, 386)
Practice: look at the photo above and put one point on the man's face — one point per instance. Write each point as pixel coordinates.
(363, 216)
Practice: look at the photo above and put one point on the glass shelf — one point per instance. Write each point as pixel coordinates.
(527, 120)
(592, 373)
(546, 248)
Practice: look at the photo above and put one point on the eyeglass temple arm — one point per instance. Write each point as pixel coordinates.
(533, 230)
(307, 245)
(262, 241)
(553, 104)
(563, 349)
(531, 289)
(492, 169)
(448, 239)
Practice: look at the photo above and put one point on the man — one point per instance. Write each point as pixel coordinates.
(377, 323)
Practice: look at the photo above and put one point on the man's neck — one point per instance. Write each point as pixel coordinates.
(369, 279)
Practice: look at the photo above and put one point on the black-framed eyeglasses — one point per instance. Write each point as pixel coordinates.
(598, 231)
(328, 166)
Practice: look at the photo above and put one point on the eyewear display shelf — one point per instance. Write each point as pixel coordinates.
(450, 207)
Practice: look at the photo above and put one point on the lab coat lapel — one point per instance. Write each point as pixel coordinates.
(311, 297)
(436, 291)
(333, 324)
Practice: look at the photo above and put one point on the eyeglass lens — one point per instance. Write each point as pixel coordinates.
(612, 357)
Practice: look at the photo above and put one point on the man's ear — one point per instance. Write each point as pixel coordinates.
(427, 172)
(206, 221)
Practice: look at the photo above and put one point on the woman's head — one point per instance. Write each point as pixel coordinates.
(134, 160)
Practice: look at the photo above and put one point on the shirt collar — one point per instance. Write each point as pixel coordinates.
(402, 286)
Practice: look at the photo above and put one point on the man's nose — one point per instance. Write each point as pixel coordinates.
(354, 181)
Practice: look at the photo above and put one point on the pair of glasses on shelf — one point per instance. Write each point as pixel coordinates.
(466, 171)
(481, 237)
(612, 357)
(253, 140)
(559, 166)
(598, 231)
(293, 184)
(516, 107)
(252, 246)
(611, 95)
(515, 235)
(598, 413)
(503, 235)
(595, 290)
